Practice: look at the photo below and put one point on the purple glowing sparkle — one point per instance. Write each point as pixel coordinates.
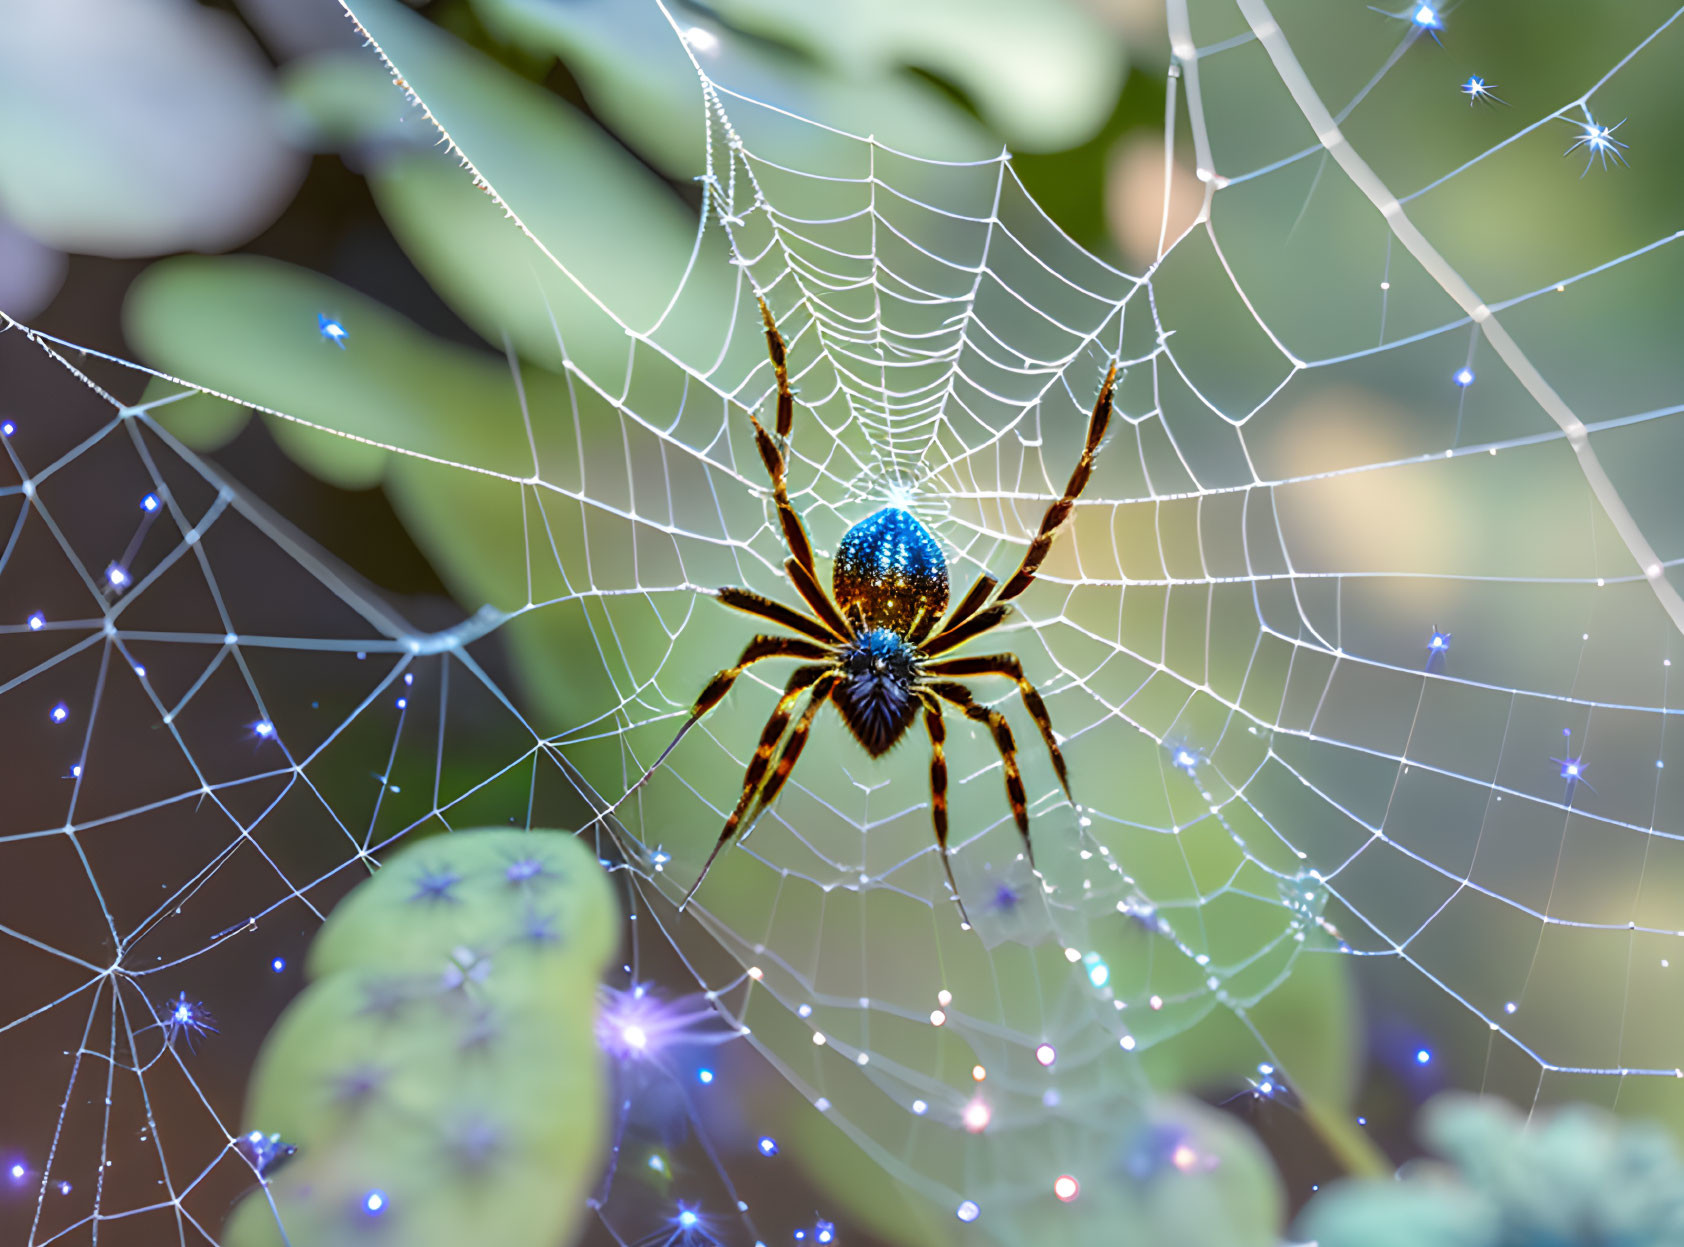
(186, 1019)
(639, 1023)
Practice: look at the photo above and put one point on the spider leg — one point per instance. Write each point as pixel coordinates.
(968, 606)
(760, 647)
(938, 792)
(775, 348)
(797, 739)
(960, 696)
(765, 608)
(799, 682)
(976, 625)
(1059, 511)
(807, 585)
(795, 536)
(1009, 666)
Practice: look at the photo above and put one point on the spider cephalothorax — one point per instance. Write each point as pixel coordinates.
(874, 645)
(877, 695)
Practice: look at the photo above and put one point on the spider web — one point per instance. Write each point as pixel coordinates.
(1374, 581)
(219, 732)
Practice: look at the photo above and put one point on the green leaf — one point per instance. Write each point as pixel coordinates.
(202, 420)
(247, 328)
(1573, 1176)
(599, 225)
(1388, 1215)
(439, 1076)
(635, 69)
(1173, 1172)
(1045, 76)
(340, 98)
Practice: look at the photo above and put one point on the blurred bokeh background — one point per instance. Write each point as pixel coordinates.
(267, 136)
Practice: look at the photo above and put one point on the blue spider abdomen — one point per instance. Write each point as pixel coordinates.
(875, 695)
(891, 570)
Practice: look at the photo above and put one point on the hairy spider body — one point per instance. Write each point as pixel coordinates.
(888, 575)
(878, 693)
(874, 646)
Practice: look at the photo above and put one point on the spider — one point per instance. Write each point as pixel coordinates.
(875, 647)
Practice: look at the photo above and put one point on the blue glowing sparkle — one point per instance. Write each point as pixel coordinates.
(265, 1152)
(1572, 767)
(768, 1145)
(1599, 143)
(331, 330)
(1422, 1056)
(1099, 974)
(374, 1203)
(1438, 645)
(185, 1019)
(1480, 91)
(1420, 16)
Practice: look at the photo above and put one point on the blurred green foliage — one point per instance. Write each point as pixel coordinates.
(442, 428)
(440, 1075)
(599, 173)
(1567, 1177)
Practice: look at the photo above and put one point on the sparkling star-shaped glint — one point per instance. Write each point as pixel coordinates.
(1599, 143)
(1480, 91)
(185, 1019)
